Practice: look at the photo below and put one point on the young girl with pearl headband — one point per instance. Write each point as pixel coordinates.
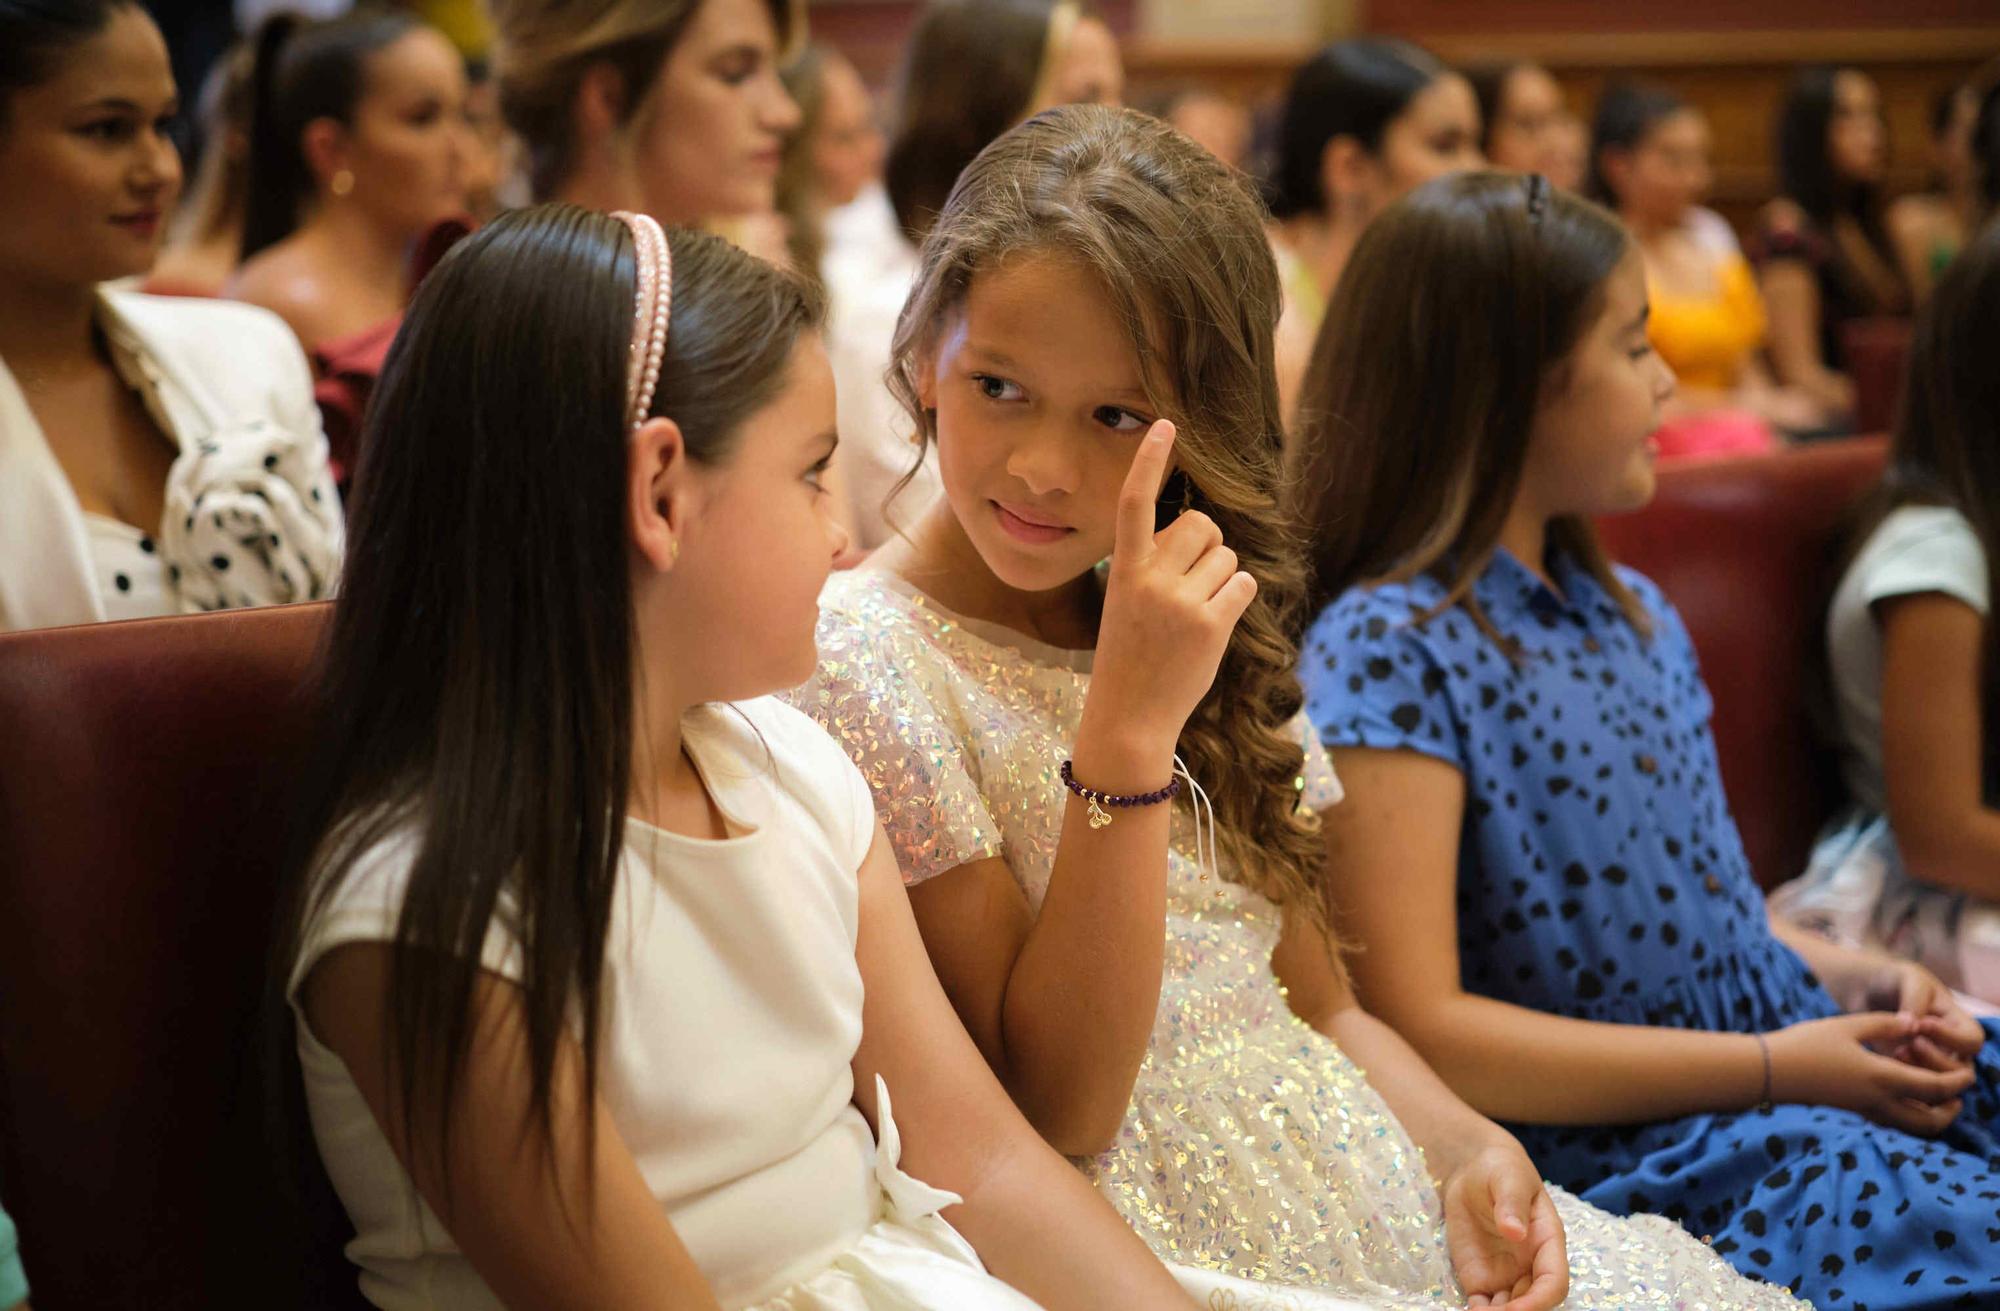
(602, 970)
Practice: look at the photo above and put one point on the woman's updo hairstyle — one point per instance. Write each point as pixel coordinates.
(303, 71)
(543, 49)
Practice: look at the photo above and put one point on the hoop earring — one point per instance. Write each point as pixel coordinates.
(341, 184)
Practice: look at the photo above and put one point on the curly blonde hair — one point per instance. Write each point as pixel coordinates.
(1178, 240)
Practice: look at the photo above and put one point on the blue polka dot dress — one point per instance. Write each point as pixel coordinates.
(1601, 877)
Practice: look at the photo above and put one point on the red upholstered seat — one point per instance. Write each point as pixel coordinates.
(1742, 547)
(1875, 352)
(145, 779)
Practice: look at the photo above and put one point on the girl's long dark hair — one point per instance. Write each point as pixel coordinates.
(1946, 448)
(1986, 154)
(969, 73)
(302, 71)
(478, 672)
(1448, 327)
(1805, 166)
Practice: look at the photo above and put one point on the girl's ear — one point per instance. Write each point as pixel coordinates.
(1615, 163)
(1348, 176)
(324, 145)
(924, 367)
(600, 102)
(658, 492)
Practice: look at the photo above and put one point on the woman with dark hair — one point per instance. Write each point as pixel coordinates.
(1536, 856)
(357, 148)
(1986, 157)
(601, 970)
(1649, 162)
(1914, 864)
(673, 108)
(1930, 226)
(972, 70)
(1526, 122)
(1366, 120)
(1823, 256)
(122, 415)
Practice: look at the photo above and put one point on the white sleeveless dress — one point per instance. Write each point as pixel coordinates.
(732, 1012)
(1255, 1158)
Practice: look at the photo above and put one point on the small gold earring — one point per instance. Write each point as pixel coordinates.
(674, 549)
(341, 183)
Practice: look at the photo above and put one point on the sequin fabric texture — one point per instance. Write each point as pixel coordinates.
(1255, 1157)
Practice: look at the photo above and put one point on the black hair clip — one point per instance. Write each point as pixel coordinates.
(1538, 198)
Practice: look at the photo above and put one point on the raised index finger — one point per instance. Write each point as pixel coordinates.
(1141, 492)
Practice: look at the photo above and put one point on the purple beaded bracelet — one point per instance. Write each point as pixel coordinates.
(1099, 816)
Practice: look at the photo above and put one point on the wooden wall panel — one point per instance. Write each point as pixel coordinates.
(1437, 17)
(1730, 58)
(1737, 78)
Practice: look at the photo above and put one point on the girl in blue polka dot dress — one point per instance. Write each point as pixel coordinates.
(1537, 860)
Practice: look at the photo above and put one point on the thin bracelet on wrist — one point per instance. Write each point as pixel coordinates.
(1096, 801)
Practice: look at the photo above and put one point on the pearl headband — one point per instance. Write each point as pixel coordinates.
(650, 311)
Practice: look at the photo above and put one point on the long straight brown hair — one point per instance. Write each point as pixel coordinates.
(1450, 325)
(476, 677)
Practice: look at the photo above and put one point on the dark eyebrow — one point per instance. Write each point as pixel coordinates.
(124, 106)
(1002, 360)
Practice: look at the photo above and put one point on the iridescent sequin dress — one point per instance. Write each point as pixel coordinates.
(1255, 1156)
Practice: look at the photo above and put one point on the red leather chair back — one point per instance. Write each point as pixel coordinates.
(1742, 547)
(1875, 352)
(146, 772)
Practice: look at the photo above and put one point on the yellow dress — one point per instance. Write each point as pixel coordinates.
(1709, 339)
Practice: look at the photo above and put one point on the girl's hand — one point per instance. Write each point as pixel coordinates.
(1501, 1227)
(1172, 602)
(1841, 1062)
(1945, 1034)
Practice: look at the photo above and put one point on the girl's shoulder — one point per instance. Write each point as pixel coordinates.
(875, 628)
(766, 742)
(225, 342)
(1650, 596)
(1919, 548)
(1785, 231)
(1372, 609)
(872, 602)
(767, 734)
(1907, 524)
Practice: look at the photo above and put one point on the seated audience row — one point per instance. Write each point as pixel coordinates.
(1057, 854)
(157, 455)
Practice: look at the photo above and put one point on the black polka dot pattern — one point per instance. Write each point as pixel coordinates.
(1601, 877)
